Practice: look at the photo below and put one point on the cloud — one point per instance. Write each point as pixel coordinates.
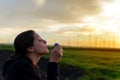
(87, 29)
(35, 12)
(75, 29)
(69, 10)
(64, 11)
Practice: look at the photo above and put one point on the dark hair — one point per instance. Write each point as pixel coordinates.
(23, 41)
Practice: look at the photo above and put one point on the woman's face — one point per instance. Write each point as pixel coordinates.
(39, 45)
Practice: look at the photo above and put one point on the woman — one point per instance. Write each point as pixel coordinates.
(29, 48)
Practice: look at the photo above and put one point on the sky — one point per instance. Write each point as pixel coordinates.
(94, 23)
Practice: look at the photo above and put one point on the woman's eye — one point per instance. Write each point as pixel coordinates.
(40, 40)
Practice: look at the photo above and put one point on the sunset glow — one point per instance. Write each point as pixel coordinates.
(80, 23)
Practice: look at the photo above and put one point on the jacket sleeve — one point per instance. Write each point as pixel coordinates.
(53, 71)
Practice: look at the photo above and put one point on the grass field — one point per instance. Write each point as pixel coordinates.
(96, 64)
(102, 65)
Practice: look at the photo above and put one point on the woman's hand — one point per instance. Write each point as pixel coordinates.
(56, 54)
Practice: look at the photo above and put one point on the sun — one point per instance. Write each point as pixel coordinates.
(111, 9)
(108, 20)
(39, 2)
(111, 16)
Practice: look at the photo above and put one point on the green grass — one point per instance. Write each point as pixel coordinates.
(103, 65)
(6, 47)
(92, 59)
(98, 65)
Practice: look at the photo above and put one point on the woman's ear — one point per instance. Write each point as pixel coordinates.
(30, 49)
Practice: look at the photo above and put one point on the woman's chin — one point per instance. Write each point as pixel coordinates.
(46, 51)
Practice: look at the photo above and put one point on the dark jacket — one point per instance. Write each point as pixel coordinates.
(21, 68)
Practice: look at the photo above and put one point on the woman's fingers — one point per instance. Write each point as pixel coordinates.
(56, 53)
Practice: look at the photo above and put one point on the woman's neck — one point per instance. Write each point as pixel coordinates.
(34, 58)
